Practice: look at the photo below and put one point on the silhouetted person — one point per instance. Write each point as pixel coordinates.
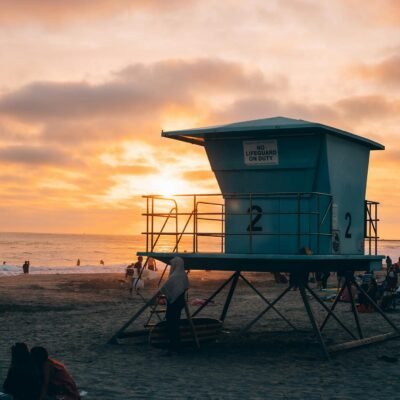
(324, 279)
(25, 267)
(78, 262)
(55, 380)
(101, 262)
(389, 263)
(22, 381)
(391, 279)
(138, 265)
(174, 290)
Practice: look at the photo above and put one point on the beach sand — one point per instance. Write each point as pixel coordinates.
(74, 316)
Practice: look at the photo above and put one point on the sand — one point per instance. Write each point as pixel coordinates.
(75, 315)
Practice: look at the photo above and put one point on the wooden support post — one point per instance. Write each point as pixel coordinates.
(376, 306)
(250, 324)
(312, 318)
(213, 295)
(230, 294)
(354, 308)
(115, 337)
(363, 342)
(268, 302)
(337, 298)
(330, 312)
(192, 327)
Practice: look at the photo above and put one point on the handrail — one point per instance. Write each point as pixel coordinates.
(222, 220)
(153, 197)
(305, 215)
(156, 196)
(153, 245)
(183, 231)
(371, 225)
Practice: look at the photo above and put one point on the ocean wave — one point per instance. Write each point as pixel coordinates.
(83, 269)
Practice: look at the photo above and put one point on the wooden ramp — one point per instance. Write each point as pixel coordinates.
(207, 330)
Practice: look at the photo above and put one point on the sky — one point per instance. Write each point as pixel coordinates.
(87, 86)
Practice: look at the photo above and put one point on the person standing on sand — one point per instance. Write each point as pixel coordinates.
(174, 289)
(25, 267)
(78, 262)
(138, 266)
(55, 380)
(129, 276)
(389, 264)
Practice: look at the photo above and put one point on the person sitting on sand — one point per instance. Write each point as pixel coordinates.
(396, 266)
(22, 383)
(55, 380)
(174, 290)
(369, 296)
(391, 280)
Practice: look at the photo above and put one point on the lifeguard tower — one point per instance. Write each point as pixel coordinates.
(292, 200)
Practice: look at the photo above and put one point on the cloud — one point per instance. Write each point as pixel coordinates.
(265, 107)
(55, 12)
(199, 175)
(98, 144)
(210, 74)
(382, 12)
(345, 113)
(135, 90)
(368, 107)
(134, 170)
(36, 155)
(385, 72)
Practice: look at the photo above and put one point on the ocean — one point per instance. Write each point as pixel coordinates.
(58, 253)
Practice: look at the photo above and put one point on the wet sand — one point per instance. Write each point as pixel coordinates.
(75, 315)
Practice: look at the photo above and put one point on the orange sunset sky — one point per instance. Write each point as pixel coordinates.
(87, 86)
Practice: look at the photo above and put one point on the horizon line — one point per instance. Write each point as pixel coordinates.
(119, 234)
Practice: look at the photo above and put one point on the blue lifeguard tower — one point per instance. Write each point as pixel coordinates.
(292, 200)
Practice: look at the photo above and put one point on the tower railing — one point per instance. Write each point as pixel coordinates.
(205, 222)
(371, 227)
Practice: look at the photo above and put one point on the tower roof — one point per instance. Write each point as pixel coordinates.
(258, 128)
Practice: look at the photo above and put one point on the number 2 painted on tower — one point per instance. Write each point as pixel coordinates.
(348, 217)
(257, 212)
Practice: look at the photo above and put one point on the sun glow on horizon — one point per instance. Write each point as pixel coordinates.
(163, 184)
(168, 185)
